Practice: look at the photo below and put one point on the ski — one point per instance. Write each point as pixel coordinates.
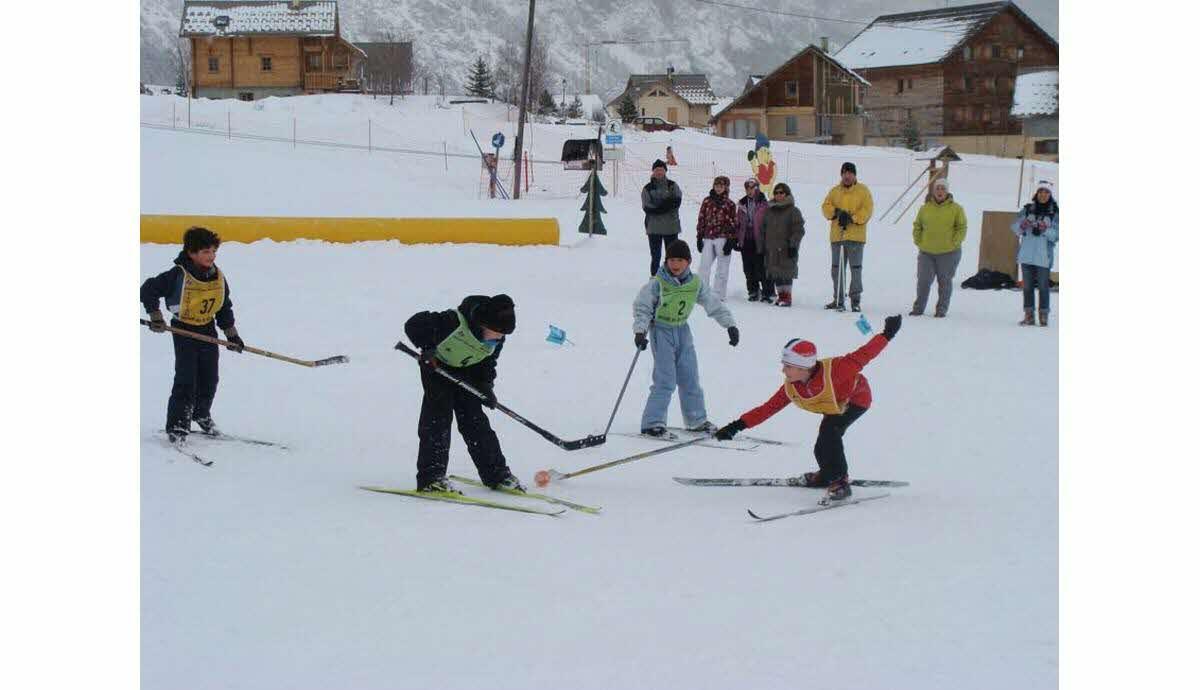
(741, 437)
(231, 438)
(450, 497)
(777, 481)
(529, 494)
(817, 508)
(195, 458)
(744, 446)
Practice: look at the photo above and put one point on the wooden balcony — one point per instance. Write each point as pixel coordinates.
(322, 81)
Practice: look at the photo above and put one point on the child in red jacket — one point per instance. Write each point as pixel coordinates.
(834, 388)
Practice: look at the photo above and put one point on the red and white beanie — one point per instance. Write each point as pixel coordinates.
(800, 353)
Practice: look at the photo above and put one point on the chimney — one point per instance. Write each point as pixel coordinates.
(824, 44)
(671, 72)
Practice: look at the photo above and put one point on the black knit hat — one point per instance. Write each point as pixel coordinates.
(679, 250)
(849, 166)
(658, 163)
(497, 314)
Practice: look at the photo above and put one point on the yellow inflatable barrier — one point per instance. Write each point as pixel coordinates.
(160, 229)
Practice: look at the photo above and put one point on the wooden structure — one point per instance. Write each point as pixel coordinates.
(251, 49)
(950, 70)
(681, 99)
(811, 97)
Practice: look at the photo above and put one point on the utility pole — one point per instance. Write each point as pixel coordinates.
(587, 55)
(524, 100)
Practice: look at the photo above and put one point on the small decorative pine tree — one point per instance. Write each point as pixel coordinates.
(592, 207)
(911, 134)
(479, 81)
(576, 108)
(546, 103)
(628, 109)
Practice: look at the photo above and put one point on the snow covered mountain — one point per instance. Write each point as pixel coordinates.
(723, 42)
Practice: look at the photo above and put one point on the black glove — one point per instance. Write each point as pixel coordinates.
(235, 341)
(429, 357)
(489, 396)
(729, 246)
(639, 339)
(793, 252)
(1036, 231)
(156, 322)
(891, 325)
(734, 337)
(699, 244)
(844, 219)
(727, 432)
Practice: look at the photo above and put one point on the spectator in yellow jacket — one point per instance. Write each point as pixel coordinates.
(938, 232)
(848, 206)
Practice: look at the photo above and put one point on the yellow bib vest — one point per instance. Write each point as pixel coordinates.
(200, 300)
(461, 348)
(675, 302)
(826, 401)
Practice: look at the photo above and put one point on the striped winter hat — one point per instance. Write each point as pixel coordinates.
(800, 353)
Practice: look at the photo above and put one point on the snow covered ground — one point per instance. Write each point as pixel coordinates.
(272, 570)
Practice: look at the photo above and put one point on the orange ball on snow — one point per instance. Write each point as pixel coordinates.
(542, 478)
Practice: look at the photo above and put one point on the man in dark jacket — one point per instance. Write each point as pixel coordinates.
(197, 295)
(465, 342)
(661, 198)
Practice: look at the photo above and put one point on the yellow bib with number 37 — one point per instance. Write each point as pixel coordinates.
(200, 300)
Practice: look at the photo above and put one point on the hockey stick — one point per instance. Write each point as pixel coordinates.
(586, 442)
(622, 393)
(556, 475)
(338, 359)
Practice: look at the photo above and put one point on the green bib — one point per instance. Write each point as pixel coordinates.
(675, 302)
(461, 348)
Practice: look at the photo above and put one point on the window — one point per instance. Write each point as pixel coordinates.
(340, 60)
(987, 116)
(266, 64)
(966, 52)
(789, 124)
(1046, 146)
(967, 84)
(246, 96)
(910, 84)
(997, 51)
(312, 62)
(214, 64)
(1020, 52)
(792, 89)
(992, 83)
(899, 86)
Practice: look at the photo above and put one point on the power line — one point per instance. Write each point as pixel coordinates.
(798, 15)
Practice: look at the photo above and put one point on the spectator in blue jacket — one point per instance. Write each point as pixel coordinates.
(1036, 226)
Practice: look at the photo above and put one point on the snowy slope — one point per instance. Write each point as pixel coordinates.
(271, 570)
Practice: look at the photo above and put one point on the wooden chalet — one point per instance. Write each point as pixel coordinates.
(951, 70)
(811, 97)
(681, 99)
(251, 49)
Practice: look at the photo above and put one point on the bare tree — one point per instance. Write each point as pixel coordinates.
(389, 65)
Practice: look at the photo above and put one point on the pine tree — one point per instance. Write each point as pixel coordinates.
(592, 207)
(628, 109)
(546, 103)
(479, 81)
(911, 134)
(576, 108)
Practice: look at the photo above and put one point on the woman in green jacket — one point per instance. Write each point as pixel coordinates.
(938, 232)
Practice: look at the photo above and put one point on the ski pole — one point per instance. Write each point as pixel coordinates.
(547, 475)
(620, 395)
(586, 442)
(337, 359)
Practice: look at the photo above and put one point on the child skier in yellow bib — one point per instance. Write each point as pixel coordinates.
(662, 309)
(197, 295)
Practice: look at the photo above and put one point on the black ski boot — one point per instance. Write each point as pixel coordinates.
(207, 426)
(439, 486)
(509, 482)
(659, 432)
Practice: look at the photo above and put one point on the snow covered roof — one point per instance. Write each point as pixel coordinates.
(693, 88)
(259, 17)
(1036, 93)
(918, 38)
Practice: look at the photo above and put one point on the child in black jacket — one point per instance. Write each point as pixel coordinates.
(466, 342)
(196, 294)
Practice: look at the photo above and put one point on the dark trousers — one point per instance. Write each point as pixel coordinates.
(831, 455)
(1036, 277)
(657, 243)
(195, 380)
(754, 266)
(442, 403)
